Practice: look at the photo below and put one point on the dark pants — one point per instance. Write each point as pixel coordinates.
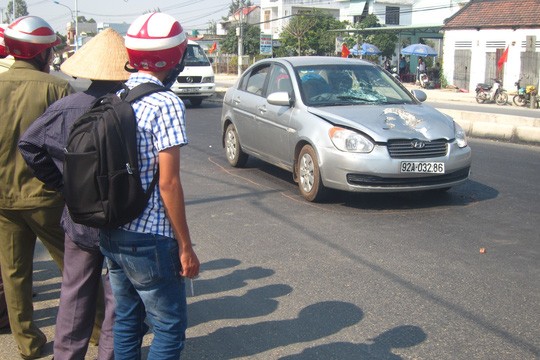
(80, 297)
(4, 320)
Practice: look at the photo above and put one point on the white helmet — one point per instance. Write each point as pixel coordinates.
(29, 36)
(155, 42)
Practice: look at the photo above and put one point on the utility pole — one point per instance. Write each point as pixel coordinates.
(240, 41)
(76, 25)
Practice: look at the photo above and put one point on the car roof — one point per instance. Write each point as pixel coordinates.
(321, 60)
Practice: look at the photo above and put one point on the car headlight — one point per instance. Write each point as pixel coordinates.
(350, 141)
(208, 79)
(461, 138)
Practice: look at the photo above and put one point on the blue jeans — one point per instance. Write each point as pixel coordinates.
(144, 271)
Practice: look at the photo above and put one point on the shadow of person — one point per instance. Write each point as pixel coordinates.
(314, 322)
(381, 348)
(256, 302)
(235, 280)
(219, 264)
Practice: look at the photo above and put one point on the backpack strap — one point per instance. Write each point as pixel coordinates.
(130, 95)
(142, 90)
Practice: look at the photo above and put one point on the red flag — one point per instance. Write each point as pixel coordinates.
(502, 59)
(345, 51)
(212, 48)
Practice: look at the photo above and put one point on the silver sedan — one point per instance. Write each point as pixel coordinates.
(344, 124)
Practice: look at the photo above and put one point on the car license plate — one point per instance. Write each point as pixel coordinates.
(422, 167)
(191, 90)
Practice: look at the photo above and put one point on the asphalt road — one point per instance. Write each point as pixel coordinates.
(363, 276)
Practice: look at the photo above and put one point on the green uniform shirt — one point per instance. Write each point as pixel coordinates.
(25, 93)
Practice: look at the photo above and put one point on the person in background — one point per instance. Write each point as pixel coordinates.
(150, 257)
(387, 64)
(436, 71)
(28, 209)
(402, 65)
(101, 60)
(421, 69)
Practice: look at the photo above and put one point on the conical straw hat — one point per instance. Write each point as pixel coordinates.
(102, 58)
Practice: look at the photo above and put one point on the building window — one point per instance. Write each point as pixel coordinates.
(267, 19)
(392, 15)
(358, 18)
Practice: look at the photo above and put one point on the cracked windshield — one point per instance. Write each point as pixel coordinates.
(349, 85)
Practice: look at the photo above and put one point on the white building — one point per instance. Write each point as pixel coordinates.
(476, 37)
(275, 14)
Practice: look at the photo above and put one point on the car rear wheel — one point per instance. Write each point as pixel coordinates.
(235, 156)
(309, 176)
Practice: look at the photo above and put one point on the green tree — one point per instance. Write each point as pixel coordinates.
(308, 33)
(236, 5)
(63, 44)
(20, 10)
(385, 40)
(212, 27)
(252, 39)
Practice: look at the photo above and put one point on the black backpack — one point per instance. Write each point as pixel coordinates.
(102, 183)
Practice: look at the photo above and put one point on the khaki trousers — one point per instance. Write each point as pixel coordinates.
(4, 321)
(18, 232)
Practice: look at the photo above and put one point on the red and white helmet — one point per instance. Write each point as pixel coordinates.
(28, 36)
(3, 52)
(155, 42)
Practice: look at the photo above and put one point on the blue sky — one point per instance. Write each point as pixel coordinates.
(192, 14)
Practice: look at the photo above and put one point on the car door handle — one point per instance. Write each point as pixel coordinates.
(262, 109)
(237, 100)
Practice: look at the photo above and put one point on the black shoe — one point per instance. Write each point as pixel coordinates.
(38, 354)
(5, 329)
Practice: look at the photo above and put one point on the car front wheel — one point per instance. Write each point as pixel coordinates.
(309, 176)
(233, 149)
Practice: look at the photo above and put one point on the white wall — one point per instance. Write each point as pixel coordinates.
(427, 12)
(481, 42)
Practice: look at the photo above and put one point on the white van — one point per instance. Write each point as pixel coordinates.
(196, 82)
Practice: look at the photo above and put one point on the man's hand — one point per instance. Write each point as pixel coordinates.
(190, 264)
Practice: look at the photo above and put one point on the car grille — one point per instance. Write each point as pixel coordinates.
(401, 149)
(377, 181)
(189, 79)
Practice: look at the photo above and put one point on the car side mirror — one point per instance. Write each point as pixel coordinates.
(280, 98)
(419, 95)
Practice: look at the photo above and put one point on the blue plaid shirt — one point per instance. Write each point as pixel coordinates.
(161, 125)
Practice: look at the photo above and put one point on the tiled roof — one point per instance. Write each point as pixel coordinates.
(482, 14)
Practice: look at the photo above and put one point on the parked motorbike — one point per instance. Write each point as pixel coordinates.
(423, 79)
(491, 93)
(523, 97)
(395, 74)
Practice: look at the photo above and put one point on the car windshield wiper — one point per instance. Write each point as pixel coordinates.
(359, 98)
(396, 102)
